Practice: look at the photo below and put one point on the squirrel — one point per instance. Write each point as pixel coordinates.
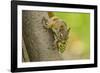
(59, 29)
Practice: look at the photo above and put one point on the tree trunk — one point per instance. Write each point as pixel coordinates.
(24, 52)
(38, 40)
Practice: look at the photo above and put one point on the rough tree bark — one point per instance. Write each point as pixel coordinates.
(24, 52)
(38, 41)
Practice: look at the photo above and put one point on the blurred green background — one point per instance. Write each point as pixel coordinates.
(80, 31)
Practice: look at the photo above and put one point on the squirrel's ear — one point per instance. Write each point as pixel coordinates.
(44, 20)
(50, 14)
